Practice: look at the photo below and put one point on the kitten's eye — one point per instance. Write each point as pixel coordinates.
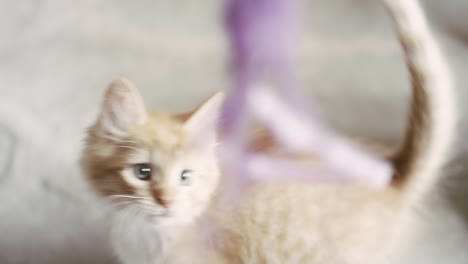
(142, 171)
(186, 177)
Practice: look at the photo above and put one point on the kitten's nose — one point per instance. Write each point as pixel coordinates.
(164, 202)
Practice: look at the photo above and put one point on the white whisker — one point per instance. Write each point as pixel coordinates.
(123, 196)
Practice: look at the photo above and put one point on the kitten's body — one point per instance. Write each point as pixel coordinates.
(282, 222)
(311, 224)
(297, 223)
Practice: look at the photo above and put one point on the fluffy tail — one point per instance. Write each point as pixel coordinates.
(431, 122)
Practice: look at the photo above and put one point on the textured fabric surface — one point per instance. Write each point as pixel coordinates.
(56, 58)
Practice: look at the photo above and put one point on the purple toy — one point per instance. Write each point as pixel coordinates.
(261, 34)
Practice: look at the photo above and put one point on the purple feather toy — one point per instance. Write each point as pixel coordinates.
(263, 89)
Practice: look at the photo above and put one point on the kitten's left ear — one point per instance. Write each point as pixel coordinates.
(202, 124)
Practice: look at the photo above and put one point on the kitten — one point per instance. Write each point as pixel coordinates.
(165, 166)
(320, 223)
(159, 169)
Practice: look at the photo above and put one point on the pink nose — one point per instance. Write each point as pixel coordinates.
(165, 203)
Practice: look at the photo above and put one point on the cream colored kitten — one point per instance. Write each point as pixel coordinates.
(162, 170)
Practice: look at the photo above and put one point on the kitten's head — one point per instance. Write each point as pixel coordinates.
(161, 164)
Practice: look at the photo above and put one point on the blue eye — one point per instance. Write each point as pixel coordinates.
(142, 171)
(186, 177)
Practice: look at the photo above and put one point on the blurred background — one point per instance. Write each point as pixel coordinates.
(57, 57)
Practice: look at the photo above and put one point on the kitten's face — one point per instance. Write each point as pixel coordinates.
(163, 165)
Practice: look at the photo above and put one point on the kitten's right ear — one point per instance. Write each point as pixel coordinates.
(122, 108)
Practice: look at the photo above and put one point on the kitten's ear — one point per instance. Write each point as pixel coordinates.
(202, 124)
(122, 108)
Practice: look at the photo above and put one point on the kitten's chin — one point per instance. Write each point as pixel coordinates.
(171, 218)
